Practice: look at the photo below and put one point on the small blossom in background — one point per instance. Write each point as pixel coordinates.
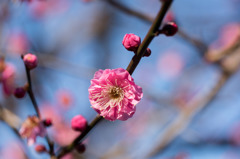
(7, 77)
(113, 94)
(64, 98)
(17, 42)
(79, 123)
(229, 35)
(30, 61)
(12, 150)
(31, 128)
(170, 64)
(42, 8)
(131, 42)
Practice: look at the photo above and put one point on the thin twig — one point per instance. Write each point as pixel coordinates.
(34, 102)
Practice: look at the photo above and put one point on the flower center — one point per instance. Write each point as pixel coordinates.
(115, 92)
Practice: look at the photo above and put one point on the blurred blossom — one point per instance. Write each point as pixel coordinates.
(63, 134)
(61, 130)
(235, 134)
(68, 156)
(184, 95)
(7, 77)
(182, 155)
(170, 65)
(12, 150)
(113, 94)
(229, 34)
(64, 98)
(41, 8)
(17, 43)
(31, 128)
(169, 17)
(231, 155)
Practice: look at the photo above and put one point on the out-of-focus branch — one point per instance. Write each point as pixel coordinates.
(197, 43)
(13, 121)
(228, 65)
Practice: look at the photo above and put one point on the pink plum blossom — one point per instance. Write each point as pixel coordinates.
(131, 42)
(113, 94)
(64, 98)
(31, 128)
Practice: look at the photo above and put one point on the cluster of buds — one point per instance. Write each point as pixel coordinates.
(131, 42)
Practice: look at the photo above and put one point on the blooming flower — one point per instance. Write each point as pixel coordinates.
(31, 128)
(113, 94)
(131, 42)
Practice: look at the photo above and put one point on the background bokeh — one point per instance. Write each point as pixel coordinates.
(75, 38)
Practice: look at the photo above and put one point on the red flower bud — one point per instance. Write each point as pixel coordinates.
(169, 29)
(147, 52)
(79, 123)
(19, 92)
(47, 122)
(80, 148)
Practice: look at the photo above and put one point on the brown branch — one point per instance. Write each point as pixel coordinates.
(35, 105)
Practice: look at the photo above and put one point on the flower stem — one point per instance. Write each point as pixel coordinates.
(70, 147)
(34, 102)
(30, 92)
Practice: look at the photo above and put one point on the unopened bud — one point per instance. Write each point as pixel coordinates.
(81, 148)
(169, 29)
(47, 122)
(147, 52)
(30, 61)
(19, 92)
(131, 42)
(40, 148)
